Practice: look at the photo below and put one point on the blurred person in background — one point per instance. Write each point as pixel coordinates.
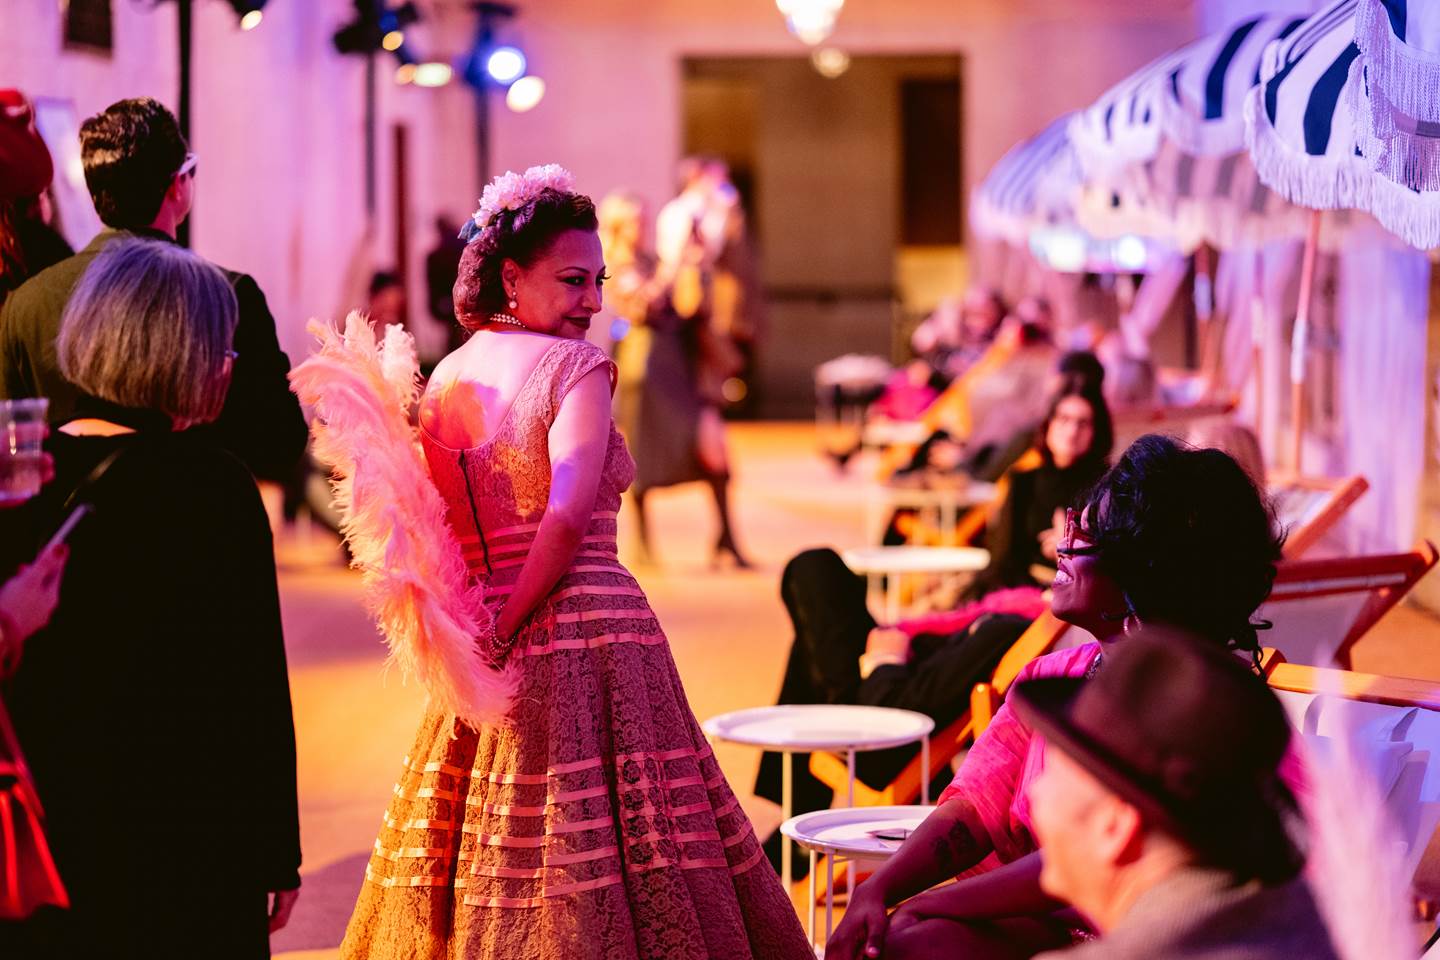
(667, 409)
(442, 266)
(162, 674)
(27, 242)
(957, 334)
(386, 303)
(142, 180)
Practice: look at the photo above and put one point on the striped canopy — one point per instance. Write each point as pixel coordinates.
(1032, 187)
(1164, 149)
(1347, 115)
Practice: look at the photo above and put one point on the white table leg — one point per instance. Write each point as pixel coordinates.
(925, 769)
(829, 894)
(850, 802)
(787, 806)
(814, 868)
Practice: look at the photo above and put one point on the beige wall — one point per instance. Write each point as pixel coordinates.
(278, 113)
(278, 124)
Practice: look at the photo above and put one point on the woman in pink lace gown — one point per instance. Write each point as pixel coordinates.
(597, 822)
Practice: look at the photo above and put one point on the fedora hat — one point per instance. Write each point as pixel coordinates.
(1182, 730)
(25, 165)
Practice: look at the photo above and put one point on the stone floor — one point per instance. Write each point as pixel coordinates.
(727, 629)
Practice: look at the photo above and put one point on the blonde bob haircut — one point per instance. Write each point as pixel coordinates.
(150, 326)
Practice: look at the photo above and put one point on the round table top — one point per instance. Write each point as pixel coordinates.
(916, 559)
(807, 727)
(852, 832)
(963, 494)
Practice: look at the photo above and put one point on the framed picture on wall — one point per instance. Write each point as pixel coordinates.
(74, 215)
(89, 24)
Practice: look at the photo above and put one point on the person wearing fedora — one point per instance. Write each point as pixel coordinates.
(1164, 820)
(141, 179)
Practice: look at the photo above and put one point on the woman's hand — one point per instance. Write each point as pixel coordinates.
(861, 933)
(908, 914)
(887, 642)
(28, 599)
(1050, 539)
(282, 903)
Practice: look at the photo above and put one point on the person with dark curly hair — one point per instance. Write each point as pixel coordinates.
(27, 242)
(595, 821)
(1170, 536)
(141, 178)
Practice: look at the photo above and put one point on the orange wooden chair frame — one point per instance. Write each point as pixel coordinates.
(832, 770)
(1342, 496)
(1387, 577)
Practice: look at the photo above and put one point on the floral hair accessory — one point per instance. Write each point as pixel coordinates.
(511, 191)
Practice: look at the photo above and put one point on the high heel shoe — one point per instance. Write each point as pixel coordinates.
(725, 547)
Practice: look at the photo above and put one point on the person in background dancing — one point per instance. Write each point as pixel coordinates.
(669, 416)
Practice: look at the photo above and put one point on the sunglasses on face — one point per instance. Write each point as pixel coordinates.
(1077, 542)
(187, 169)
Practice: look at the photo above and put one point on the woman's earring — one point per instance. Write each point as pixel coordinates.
(512, 302)
(1131, 626)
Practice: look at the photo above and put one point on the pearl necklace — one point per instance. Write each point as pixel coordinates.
(506, 318)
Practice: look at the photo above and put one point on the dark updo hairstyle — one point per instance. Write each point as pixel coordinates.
(1102, 440)
(522, 235)
(1188, 538)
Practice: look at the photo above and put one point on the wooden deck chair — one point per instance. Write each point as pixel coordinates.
(1310, 507)
(831, 769)
(973, 521)
(1382, 708)
(1175, 421)
(949, 411)
(1320, 608)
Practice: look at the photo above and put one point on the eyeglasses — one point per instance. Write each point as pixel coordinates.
(231, 355)
(187, 169)
(1076, 542)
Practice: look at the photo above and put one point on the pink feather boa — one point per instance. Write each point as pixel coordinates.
(416, 584)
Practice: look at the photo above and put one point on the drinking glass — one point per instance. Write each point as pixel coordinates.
(22, 434)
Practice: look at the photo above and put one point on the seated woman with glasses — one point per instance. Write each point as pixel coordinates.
(1170, 535)
(155, 707)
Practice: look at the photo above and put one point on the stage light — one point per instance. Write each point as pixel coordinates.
(505, 65)
(393, 40)
(830, 62)
(810, 20)
(525, 94)
(1130, 253)
(250, 12)
(433, 74)
(405, 73)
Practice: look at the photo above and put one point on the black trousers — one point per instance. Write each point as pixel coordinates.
(936, 682)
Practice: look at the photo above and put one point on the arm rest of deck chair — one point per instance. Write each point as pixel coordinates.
(1310, 529)
(1387, 578)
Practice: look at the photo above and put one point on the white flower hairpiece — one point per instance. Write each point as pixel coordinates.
(511, 191)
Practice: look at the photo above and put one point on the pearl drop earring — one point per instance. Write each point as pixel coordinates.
(512, 302)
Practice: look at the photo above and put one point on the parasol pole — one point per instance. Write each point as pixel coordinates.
(1298, 340)
(1257, 343)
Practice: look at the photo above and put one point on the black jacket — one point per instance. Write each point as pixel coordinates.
(155, 708)
(261, 423)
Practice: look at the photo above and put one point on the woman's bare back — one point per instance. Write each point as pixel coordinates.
(472, 390)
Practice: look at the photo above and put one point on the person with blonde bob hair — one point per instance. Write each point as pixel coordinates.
(162, 673)
(150, 327)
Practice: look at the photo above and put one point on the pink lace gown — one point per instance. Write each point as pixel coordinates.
(598, 823)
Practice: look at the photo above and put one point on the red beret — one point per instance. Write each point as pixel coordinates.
(25, 165)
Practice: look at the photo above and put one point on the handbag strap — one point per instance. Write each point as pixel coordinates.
(91, 478)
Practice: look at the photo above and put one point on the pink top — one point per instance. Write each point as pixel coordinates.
(997, 772)
(1006, 757)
